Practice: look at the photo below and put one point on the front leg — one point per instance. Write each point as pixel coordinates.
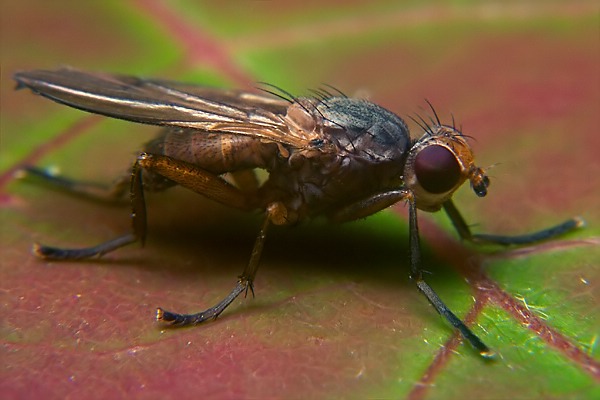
(416, 274)
(368, 206)
(465, 232)
(379, 201)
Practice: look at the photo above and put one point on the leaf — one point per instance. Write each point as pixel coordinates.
(335, 315)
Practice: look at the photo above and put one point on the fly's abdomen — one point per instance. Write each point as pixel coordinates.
(214, 152)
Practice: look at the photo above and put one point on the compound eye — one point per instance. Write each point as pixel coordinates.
(437, 169)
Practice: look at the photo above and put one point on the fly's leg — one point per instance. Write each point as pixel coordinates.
(138, 219)
(215, 188)
(416, 274)
(198, 180)
(380, 201)
(90, 190)
(187, 175)
(275, 214)
(368, 206)
(465, 232)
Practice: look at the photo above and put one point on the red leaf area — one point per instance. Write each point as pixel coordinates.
(335, 314)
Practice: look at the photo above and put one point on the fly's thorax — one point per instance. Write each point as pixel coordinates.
(438, 164)
(341, 127)
(364, 129)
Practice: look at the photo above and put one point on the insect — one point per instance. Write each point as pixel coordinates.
(326, 155)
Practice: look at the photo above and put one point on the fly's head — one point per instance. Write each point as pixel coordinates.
(438, 164)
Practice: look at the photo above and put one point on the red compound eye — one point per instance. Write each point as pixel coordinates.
(437, 169)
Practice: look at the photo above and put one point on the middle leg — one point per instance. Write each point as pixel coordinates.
(244, 283)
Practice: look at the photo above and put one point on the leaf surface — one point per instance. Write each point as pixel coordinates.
(335, 315)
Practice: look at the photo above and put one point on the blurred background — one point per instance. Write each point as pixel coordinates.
(521, 77)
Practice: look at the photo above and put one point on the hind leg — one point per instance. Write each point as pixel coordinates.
(91, 190)
(169, 170)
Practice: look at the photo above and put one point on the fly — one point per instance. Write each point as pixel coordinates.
(326, 155)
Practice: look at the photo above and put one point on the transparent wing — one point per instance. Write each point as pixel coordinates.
(166, 103)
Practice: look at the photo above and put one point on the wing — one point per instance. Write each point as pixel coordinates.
(166, 103)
